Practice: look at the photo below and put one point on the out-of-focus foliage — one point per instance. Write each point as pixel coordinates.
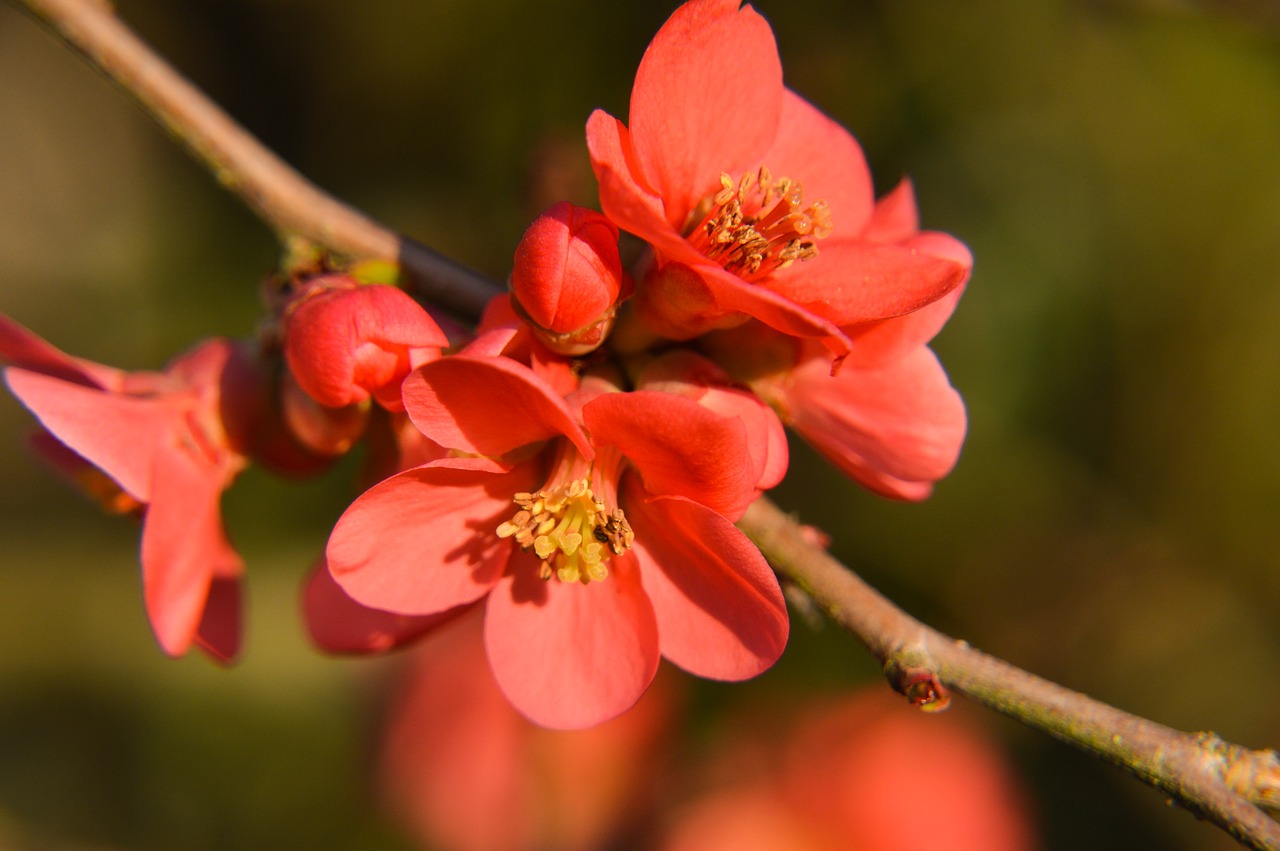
(1114, 166)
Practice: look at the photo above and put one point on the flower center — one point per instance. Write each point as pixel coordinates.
(758, 224)
(570, 529)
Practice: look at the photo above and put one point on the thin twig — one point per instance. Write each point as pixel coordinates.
(1216, 780)
(285, 200)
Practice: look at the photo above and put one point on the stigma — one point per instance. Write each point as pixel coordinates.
(758, 224)
(570, 529)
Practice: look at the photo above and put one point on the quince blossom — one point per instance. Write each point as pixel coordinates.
(596, 549)
(755, 204)
(162, 441)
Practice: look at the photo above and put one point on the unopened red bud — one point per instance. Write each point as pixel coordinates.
(567, 278)
(345, 341)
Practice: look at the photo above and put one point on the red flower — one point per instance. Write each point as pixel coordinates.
(865, 773)
(618, 547)
(755, 203)
(161, 438)
(454, 753)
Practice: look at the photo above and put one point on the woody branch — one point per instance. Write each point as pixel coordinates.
(1224, 783)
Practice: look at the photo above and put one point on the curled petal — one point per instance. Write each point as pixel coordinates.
(424, 541)
(22, 348)
(678, 446)
(569, 655)
(720, 610)
(487, 406)
(221, 631)
(895, 429)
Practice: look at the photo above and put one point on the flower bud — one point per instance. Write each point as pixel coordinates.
(345, 342)
(567, 278)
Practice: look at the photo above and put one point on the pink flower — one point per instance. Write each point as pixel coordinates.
(454, 753)
(754, 202)
(867, 773)
(567, 278)
(162, 439)
(889, 419)
(595, 550)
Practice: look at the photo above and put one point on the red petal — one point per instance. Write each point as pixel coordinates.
(425, 540)
(828, 162)
(626, 197)
(707, 98)
(487, 406)
(120, 435)
(851, 282)
(221, 631)
(896, 429)
(183, 547)
(678, 446)
(879, 343)
(569, 655)
(895, 216)
(338, 624)
(719, 607)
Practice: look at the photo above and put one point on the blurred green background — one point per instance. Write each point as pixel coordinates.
(1115, 167)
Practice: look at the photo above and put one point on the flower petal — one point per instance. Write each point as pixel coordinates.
(487, 406)
(424, 541)
(852, 281)
(569, 655)
(183, 547)
(338, 624)
(221, 631)
(719, 607)
(896, 429)
(678, 446)
(827, 161)
(706, 100)
(118, 434)
(24, 349)
(625, 196)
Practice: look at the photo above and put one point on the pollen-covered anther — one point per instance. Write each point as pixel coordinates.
(758, 224)
(570, 531)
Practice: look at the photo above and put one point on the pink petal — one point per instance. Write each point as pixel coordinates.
(183, 547)
(851, 282)
(707, 98)
(425, 540)
(569, 655)
(678, 446)
(21, 348)
(896, 429)
(828, 162)
(719, 607)
(338, 624)
(118, 434)
(487, 406)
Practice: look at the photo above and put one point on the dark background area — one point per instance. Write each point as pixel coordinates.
(1115, 167)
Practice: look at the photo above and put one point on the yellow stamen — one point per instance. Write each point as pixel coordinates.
(568, 528)
(758, 224)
